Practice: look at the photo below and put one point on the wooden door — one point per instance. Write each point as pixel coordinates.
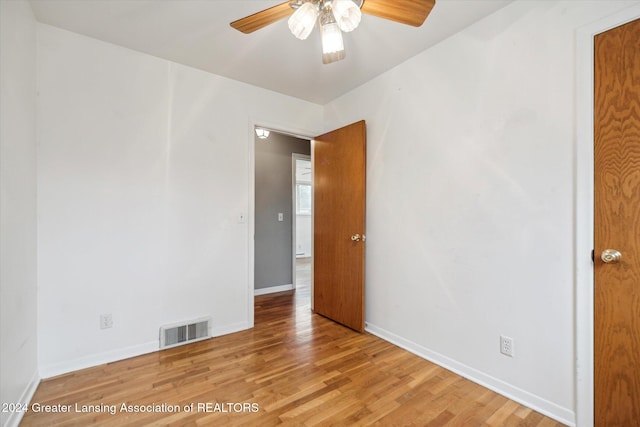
(339, 160)
(617, 226)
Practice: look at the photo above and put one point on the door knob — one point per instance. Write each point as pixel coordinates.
(355, 238)
(611, 256)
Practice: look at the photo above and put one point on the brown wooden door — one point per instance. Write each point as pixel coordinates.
(339, 160)
(617, 226)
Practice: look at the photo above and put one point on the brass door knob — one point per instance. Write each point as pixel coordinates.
(610, 256)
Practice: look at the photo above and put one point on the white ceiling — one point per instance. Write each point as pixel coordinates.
(197, 33)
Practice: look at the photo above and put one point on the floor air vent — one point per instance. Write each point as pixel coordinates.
(184, 333)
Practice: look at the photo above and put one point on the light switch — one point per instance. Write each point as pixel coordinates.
(280, 216)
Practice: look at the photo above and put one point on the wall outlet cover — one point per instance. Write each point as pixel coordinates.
(506, 346)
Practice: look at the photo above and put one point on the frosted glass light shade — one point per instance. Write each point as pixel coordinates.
(262, 133)
(347, 14)
(303, 20)
(332, 45)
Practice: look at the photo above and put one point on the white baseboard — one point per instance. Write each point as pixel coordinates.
(98, 359)
(15, 417)
(124, 353)
(229, 329)
(550, 409)
(273, 289)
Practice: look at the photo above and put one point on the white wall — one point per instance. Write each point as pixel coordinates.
(144, 169)
(303, 236)
(304, 229)
(18, 227)
(470, 210)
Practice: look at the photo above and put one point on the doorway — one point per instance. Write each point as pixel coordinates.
(275, 212)
(339, 176)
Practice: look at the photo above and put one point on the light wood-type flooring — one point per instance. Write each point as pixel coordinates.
(292, 368)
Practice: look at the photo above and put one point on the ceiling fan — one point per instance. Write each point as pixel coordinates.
(334, 17)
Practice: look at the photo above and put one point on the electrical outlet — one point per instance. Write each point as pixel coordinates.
(106, 321)
(506, 346)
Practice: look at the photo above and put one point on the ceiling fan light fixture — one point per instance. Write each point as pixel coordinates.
(347, 14)
(334, 17)
(303, 20)
(331, 35)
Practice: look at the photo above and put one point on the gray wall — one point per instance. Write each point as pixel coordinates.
(273, 240)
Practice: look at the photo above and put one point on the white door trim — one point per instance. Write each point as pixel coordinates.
(584, 206)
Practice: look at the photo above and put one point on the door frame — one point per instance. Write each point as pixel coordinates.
(283, 128)
(294, 210)
(583, 209)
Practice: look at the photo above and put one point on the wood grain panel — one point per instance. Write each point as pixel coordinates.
(261, 19)
(409, 12)
(617, 226)
(339, 170)
(298, 367)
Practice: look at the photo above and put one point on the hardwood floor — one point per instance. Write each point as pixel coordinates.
(293, 368)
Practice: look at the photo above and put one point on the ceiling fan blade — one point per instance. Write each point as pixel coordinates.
(410, 12)
(254, 22)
